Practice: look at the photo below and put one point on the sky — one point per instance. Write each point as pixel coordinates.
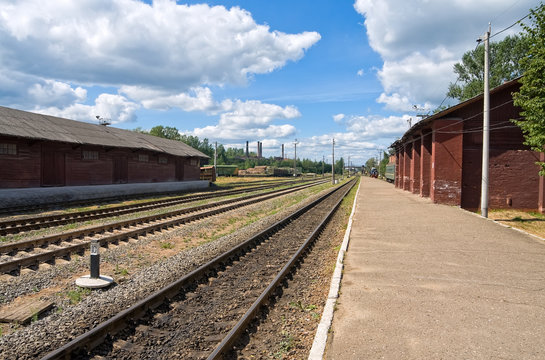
(231, 71)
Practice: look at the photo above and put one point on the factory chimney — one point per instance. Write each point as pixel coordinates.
(247, 150)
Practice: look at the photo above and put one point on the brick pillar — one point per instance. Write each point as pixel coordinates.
(415, 168)
(425, 164)
(401, 167)
(446, 160)
(397, 168)
(407, 165)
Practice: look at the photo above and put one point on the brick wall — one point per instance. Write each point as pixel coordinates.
(446, 161)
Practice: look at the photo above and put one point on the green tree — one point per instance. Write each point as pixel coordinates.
(339, 166)
(531, 97)
(382, 166)
(505, 65)
(370, 163)
(166, 132)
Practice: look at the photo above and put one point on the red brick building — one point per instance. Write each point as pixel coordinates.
(441, 156)
(39, 150)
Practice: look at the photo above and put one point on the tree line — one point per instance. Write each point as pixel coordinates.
(237, 156)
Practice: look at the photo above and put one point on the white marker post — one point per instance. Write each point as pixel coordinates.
(95, 280)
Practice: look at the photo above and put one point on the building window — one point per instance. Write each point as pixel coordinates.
(8, 149)
(143, 157)
(162, 160)
(194, 161)
(89, 155)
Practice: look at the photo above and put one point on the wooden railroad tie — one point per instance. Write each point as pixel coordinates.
(23, 312)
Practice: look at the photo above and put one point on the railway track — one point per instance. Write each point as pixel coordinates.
(32, 252)
(111, 199)
(39, 222)
(201, 315)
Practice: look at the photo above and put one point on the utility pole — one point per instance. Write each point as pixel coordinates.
(486, 128)
(348, 165)
(216, 158)
(333, 164)
(295, 158)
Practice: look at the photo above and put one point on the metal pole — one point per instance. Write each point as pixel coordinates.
(216, 158)
(295, 158)
(333, 164)
(323, 165)
(486, 129)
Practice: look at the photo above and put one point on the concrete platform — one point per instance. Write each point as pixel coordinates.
(428, 281)
(49, 195)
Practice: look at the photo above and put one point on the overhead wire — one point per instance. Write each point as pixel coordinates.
(456, 123)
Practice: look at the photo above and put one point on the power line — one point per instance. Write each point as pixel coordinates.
(458, 122)
(510, 26)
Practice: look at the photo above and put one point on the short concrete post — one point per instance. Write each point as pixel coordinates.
(95, 280)
(95, 260)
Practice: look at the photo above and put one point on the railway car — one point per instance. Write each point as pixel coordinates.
(390, 173)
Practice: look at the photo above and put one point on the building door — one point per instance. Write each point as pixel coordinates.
(179, 169)
(121, 170)
(53, 168)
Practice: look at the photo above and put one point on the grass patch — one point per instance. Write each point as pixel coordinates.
(75, 296)
(166, 245)
(529, 221)
(121, 271)
(286, 344)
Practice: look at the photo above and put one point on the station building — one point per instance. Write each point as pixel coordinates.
(45, 151)
(441, 156)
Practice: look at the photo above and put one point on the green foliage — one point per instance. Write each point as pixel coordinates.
(77, 295)
(370, 163)
(531, 97)
(166, 132)
(234, 156)
(382, 166)
(339, 166)
(504, 65)
(166, 245)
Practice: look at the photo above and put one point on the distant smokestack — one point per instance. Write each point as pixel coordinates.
(282, 151)
(260, 149)
(247, 149)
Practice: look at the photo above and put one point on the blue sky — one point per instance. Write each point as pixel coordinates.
(232, 71)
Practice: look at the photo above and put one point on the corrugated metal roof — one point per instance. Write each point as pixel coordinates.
(44, 127)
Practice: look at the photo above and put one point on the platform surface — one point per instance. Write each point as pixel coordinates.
(47, 195)
(428, 281)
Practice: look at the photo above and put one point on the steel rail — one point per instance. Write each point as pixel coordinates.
(32, 260)
(108, 199)
(37, 222)
(228, 341)
(92, 338)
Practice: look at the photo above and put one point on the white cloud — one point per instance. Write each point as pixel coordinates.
(421, 40)
(56, 93)
(338, 118)
(360, 72)
(250, 120)
(374, 127)
(126, 42)
(196, 99)
(113, 107)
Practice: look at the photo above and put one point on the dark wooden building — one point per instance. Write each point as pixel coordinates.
(441, 156)
(39, 150)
